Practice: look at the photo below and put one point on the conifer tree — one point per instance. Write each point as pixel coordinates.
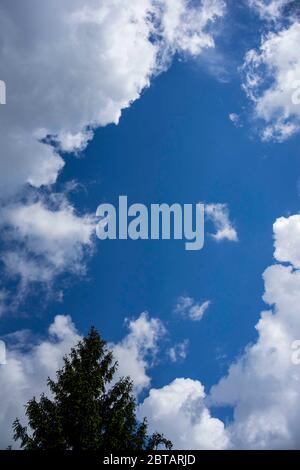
(87, 410)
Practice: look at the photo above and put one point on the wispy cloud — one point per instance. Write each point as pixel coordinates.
(271, 81)
(189, 308)
(218, 214)
(179, 351)
(235, 119)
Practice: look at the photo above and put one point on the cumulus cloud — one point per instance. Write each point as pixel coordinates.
(72, 65)
(40, 242)
(184, 27)
(136, 352)
(178, 410)
(271, 80)
(263, 385)
(218, 214)
(287, 239)
(188, 307)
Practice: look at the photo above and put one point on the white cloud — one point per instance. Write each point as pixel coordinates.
(74, 142)
(287, 239)
(52, 233)
(235, 119)
(178, 410)
(188, 307)
(218, 214)
(179, 351)
(138, 349)
(269, 9)
(272, 82)
(41, 242)
(184, 27)
(263, 385)
(71, 66)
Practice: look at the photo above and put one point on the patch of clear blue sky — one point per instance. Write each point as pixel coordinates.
(176, 144)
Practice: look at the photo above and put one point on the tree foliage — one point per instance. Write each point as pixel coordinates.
(87, 409)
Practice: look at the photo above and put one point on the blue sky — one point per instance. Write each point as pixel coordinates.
(176, 143)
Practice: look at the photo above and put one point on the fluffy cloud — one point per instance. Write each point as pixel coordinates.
(188, 307)
(218, 214)
(73, 65)
(184, 27)
(263, 385)
(287, 239)
(136, 352)
(69, 67)
(41, 242)
(178, 410)
(271, 81)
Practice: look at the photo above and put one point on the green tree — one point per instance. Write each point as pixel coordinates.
(87, 411)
